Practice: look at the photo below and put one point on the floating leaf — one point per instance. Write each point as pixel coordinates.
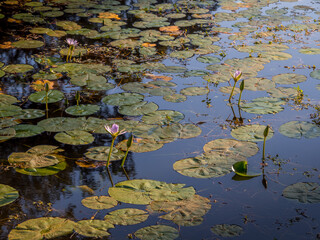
(82, 109)
(126, 216)
(119, 99)
(93, 228)
(304, 192)
(163, 117)
(241, 169)
(289, 78)
(75, 137)
(194, 91)
(258, 84)
(26, 44)
(137, 109)
(99, 202)
(157, 232)
(232, 146)
(42, 228)
(251, 133)
(282, 92)
(143, 191)
(40, 97)
(6, 134)
(227, 230)
(7, 194)
(310, 51)
(60, 124)
(140, 145)
(18, 68)
(263, 105)
(27, 130)
(175, 98)
(207, 165)
(299, 129)
(9, 110)
(208, 59)
(37, 157)
(7, 99)
(101, 154)
(187, 212)
(276, 55)
(43, 171)
(30, 114)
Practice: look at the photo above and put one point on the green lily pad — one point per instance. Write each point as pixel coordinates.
(196, 73)
(277, 56)
(68, 25)
(310, 51)
(182, 54)
(93, 228)
(232, 146)
(86, 79)
(207, 165)
(161, 91)
(75, 137)
(7, 99)
(315, 74)
(101, 153)
(26, 44)
(143, 191)
(216, 78)
(75, 53)
(40, 97)
(8, 122)
(187, 212)
(6, 134)
(228, 89)
(30, 114)
(137, 109)
(175, 98)
(100, 86)
(227, 230)
(42, 228)
(2, 73)
(99, 202)
(44, 171)
(208, 59)
(258, 84)
(53, 14)
(194, 91)
(18, 68)
(119, 99)
(9, 110)
(37, 157)
(140, 145)
(252, 133)
(60, 124)
(7, 194)
(283, 92)
(299, 129)
(241, 169)
(263, 47)
(126, 216)
(157, 232)
(82, 109)
(163, 117)
(263, 105)
(304, 192)
(289, 78)
(27, 130)
(173, 69)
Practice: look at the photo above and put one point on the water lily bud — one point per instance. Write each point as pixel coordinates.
(266, 132)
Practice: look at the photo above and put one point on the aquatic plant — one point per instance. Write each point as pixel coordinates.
(72, 44)
(129, 143)
(114, 132)
(236, 77)
(241, 90)
(265, 135)
(46, 87)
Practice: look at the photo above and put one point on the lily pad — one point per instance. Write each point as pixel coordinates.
(241, 169)
(6, 134)
(276, 55)
(75, 137)
(194, 91)
(93, 228)
(7, 99)
(232, 146)
(60, 124)
(289, 78)
(18, 68)
(26, 44)
(315, 74)
(40, 97)
(263, 105)
(227, 230)
(37, 157)
(42, 228)
(101, 154)
(7, 194)
(163, 117)
(9, 110)
(258, 84)
(99, 202)
(208, 59)
(43, 171)
(299, 129)
(137, 109)
(126, 216)
(82, 109)
(187, 212)
(143, 191)
(27, 130)
(30, 114)
(252, 133)
(157, 232)
(304, 192)
(175, 98)
(119, 99)
(283, 92)
(141, 145)
(310, 51)
(207, 165)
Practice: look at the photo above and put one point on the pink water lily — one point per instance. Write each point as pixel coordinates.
(114, 130)
(72, 42)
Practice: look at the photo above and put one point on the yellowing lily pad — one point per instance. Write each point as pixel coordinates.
(175, 98)
(157, 232)
(126, 216)
(289, 78)
(18, 68)
(93, 228)
(7, 194)
(227, 230)
(99, 202)
(26, 44)
(252, 133)
(310, 51)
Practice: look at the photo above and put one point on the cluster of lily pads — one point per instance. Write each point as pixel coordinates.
(179, 31)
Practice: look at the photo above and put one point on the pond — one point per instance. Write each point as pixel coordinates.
(218, 109)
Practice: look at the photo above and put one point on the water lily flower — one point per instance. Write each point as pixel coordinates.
(72, 42)
(114, 130)
(237, 75)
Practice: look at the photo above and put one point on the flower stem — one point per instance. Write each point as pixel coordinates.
(110, 151)
(234, 85)
(125, 157)
(264, 147)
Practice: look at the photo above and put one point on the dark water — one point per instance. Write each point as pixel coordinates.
(260, 210)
